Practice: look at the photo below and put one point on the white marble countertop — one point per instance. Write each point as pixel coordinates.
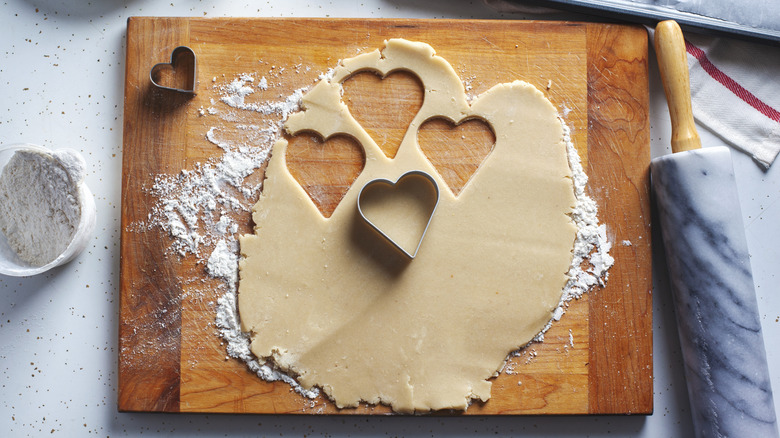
(61, 75)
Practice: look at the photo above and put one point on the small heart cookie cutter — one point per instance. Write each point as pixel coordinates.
(391, 183)
(175, 59)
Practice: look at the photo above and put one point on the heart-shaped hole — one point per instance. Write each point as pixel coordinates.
(179, 74)
(324, 168)
(400, 211)
(384, 107)
(456, 151)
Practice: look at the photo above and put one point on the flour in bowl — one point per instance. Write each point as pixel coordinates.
(39, 203)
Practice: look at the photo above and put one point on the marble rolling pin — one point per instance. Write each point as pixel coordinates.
(709, 268)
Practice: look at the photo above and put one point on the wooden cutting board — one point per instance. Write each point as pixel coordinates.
(596, 360)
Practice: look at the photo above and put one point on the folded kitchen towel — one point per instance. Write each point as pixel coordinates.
(735, 87)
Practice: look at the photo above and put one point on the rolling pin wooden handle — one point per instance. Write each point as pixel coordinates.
(673, 64)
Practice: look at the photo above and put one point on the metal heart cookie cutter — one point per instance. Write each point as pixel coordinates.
(182, 58)
(391, 184)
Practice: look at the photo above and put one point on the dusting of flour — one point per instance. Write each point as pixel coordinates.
(591, 243)
(194, 208)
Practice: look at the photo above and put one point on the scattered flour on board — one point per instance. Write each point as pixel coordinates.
(194, 208)
(591, 243)
(565, 110)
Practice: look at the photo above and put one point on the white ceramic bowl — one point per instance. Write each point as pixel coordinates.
(10, 263)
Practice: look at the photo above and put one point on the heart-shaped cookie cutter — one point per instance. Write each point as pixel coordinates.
(391, 183)
(175, 55)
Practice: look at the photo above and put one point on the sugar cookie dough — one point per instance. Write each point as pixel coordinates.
(332, 304)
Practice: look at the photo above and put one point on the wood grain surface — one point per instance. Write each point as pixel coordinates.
(596, 360)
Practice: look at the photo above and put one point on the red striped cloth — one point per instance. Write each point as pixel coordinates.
(735, 90)
(730, 84)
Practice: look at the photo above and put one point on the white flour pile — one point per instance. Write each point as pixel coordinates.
(591, 243)
(194, 206)
(39, 203)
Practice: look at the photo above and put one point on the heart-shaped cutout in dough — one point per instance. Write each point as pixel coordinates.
(384, 106)
(456, 150)
(400, 211)
(178, 75)
(325, 169)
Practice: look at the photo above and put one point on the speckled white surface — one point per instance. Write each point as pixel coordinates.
(61, 74)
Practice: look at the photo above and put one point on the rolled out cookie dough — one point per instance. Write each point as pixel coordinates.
(332, 304)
